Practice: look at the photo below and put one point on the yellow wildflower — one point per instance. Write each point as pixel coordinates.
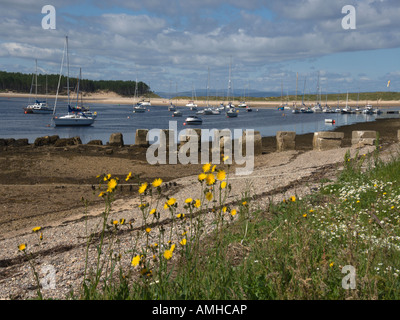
(233, 212)
(122, 221)
(111, 185)
(224, 209)
(101, 194)
(223, 184)
(36, 229)
(244, 203)
(128, 176)
(209, 196)
(157, 182)
(135, 261)
(210, 179)
(183, 242)
(197, 203)
(311, 210)
(188, 200)
(148, 230)
(143, 187)
(115, 222)
(168, 253)
(107, 177)
(293, 198)
(152, 211)
(331, 264)
(213, 168)
(206, 167)
(221, 175)
(305, 215)
(22, 247)
(202, 176)
(225, 158)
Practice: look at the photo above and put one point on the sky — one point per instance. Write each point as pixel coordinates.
(265, 45)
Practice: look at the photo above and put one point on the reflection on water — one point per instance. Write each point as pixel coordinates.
(120, 118)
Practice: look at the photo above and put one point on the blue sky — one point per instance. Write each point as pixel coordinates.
(175, 41)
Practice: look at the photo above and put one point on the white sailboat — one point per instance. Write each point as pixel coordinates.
(40, 107)
(191, 104)
(75, 118)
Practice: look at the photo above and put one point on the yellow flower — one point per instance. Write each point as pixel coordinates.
(331, 264)
(197, 203)
(41, 236)
(233, 212)
(22, 247)
(293, 198)
(101, 194)
(157, 182)
(188, 200)
(143, 188)
(213, 168)
(148, 230)
(128, 176)
(210, 179)
(170, 202)
(36, 229)
(225, 158)
(135, 261)
(122, 221)
(221, 175)
(244, 203)
(115, 222)
(311, 210)
(223, 184)
(209, 196)
(358, 201)
(111, 185)
(180, 215)
(206, 167)
(168, 253)
(152, 211)
(224, 209)
(183, 242)
(202, 176)
(305, 215)
(107, 177)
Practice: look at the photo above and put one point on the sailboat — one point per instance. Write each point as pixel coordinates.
(71, 118)
(347, 109)
(38, 106)
(191, 104)
(139, 107)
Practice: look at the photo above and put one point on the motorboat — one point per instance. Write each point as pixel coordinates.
(139, 108)
(232, 113)
(193, 120)
(177, 113)
(248, 109)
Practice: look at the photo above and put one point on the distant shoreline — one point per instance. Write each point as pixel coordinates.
(112, 98)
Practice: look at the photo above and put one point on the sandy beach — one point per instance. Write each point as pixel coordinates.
(112, 98)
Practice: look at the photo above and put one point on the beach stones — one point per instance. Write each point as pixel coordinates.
(326, 140)
(363, 138)
(285, 140)
(68, 142)
(46, 141)
(116, 140)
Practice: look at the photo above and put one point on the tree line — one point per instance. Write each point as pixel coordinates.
(24, 83)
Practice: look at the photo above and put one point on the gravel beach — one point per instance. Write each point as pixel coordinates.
(43, 186)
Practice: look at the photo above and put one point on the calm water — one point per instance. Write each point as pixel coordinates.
(120, 118)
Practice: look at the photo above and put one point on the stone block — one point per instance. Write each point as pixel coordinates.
(116, 140)
(327, 140)
(285, 140)
(141, 138)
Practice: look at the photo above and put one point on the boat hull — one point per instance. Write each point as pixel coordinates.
(72, 121)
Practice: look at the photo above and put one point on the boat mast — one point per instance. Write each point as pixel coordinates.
(66, 39)
(36, 80)
(59, 79)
